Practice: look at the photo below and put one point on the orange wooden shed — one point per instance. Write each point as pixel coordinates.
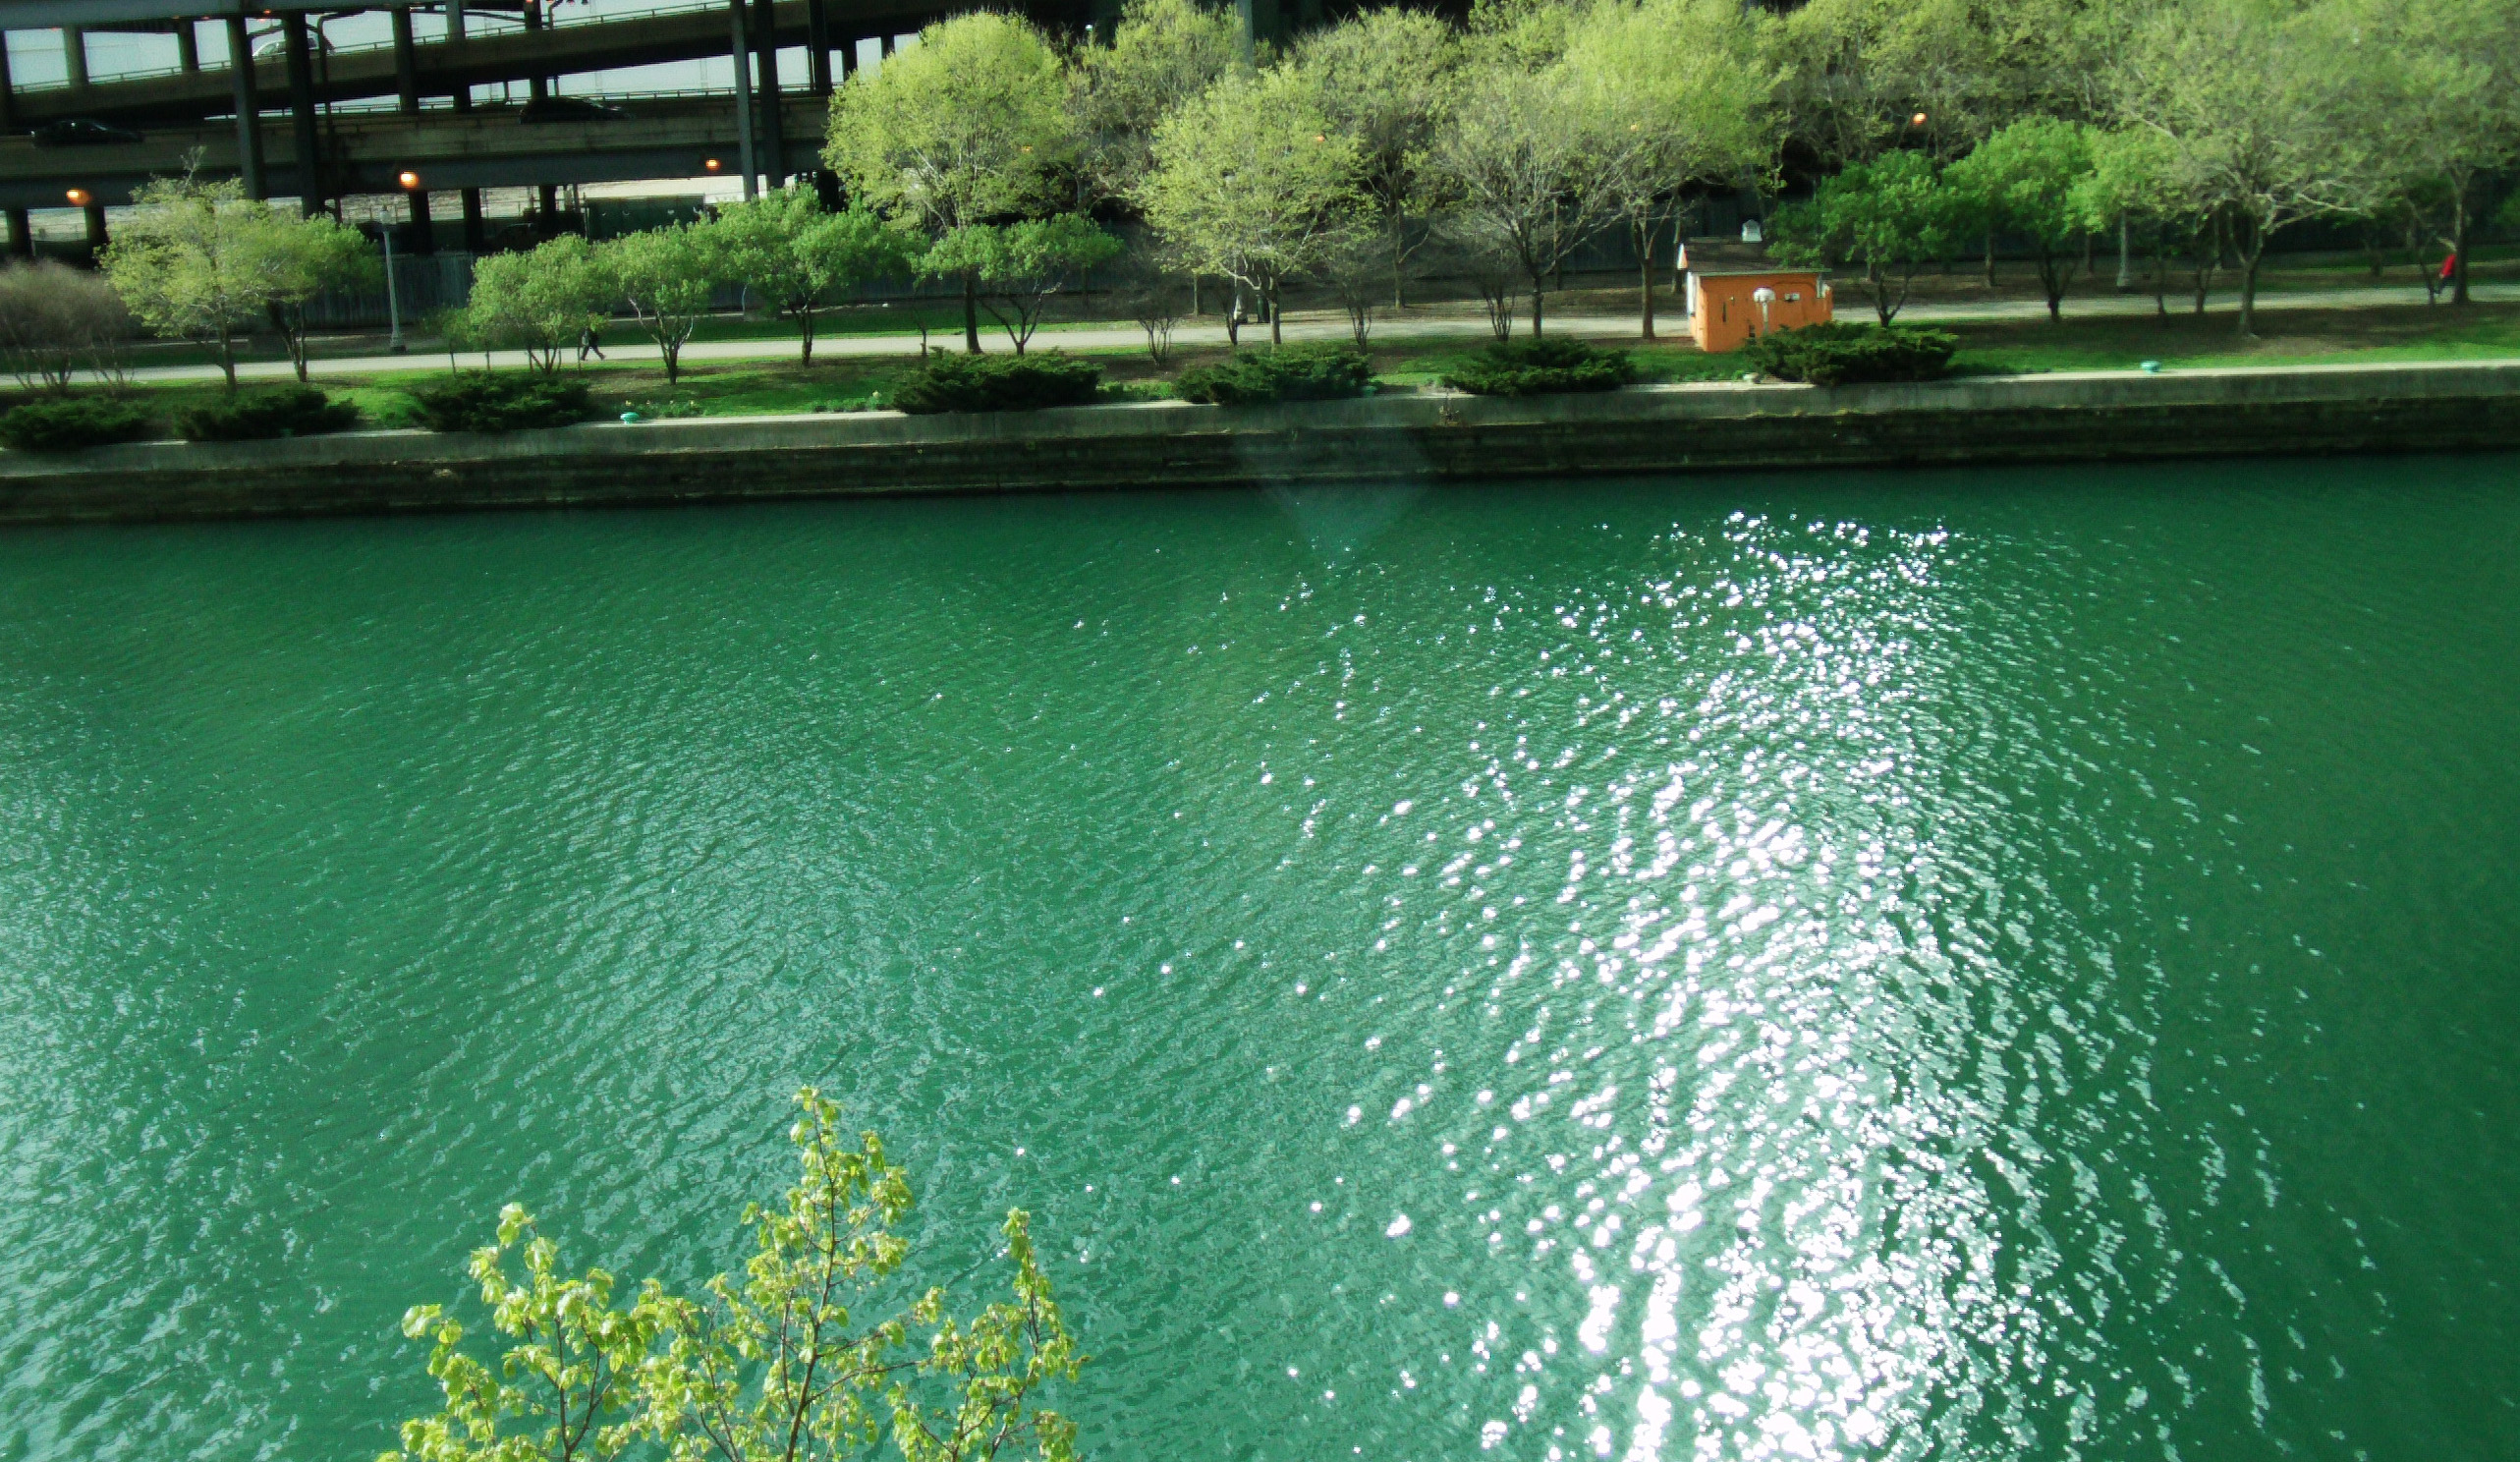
(1724, 314)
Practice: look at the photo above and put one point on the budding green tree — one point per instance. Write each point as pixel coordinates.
(1385, 80)
(2248, 95)
(2439, 89)
(667, 277)
(194, 260)
(1887, 216)
(2021, 182)
(2135, 184)
(801, 1359)
(1021, 266)
(970, 126)
(564, 1390)
(1160, 54)
(1678, 91)
(798, 260)
(312, 255)
(1527, 170)
(542, 301)
(1251, 183)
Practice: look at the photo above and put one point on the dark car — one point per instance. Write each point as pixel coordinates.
(85, 131)
(568, 109)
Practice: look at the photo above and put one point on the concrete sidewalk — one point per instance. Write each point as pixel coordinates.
(624, 348)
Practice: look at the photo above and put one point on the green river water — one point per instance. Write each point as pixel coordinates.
(1859, 966)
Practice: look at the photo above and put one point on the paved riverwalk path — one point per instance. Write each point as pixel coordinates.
(1454, 322)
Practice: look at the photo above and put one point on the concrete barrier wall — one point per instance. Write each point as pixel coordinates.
(1431, 437)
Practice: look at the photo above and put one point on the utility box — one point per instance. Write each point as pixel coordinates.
(1724, 311)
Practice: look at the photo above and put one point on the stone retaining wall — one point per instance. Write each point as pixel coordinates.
(1436, 438)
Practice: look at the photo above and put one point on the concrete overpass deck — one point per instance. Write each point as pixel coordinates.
(451, 67)
(369, 151)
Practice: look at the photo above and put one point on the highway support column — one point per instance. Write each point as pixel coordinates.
(406, 67)
(302, 114)
(537, 89)
(766, 39)
(742, 50)
(463, 100)
(817, 47)
(248, 109)
(408, 101)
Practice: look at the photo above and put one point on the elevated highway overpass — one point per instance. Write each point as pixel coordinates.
(277, 120)
(368, 152)
(450, 67)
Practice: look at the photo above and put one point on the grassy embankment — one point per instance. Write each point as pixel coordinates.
(779, 386)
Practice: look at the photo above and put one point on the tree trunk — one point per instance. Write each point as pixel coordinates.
(1991, 260)
(673, 353)
(1276, 331)
(2251, 253)
(2125, 259)
(2161, 282)
(2460, 246)
(1644, 275)
(804, 329)
(1399, 262)
(227, 356)
(970, 314)
(1536, 306)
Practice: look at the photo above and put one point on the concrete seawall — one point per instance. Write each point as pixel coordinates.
(1433, 437)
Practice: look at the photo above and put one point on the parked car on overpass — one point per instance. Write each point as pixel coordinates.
(568, 109)
(85, 131)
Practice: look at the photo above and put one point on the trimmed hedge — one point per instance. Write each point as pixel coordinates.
(483, 402)
(1537, 368)
(1290, 372)
(1843, 355)
(258, 415)
(75, 422)
(972, 383)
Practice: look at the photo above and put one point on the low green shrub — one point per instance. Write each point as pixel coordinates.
(483, 402)
(1290, 372)
(1846, 354)
(72, 422)
(258, 415)
(1537, 368)
(970, 383)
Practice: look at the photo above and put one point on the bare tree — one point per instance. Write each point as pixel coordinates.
(1359, 266)
(56, 322)
(2248, 101)
(1154, 294)
(1527, 170)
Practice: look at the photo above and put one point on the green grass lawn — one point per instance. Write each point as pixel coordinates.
(781, 386)
(2285, 337)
